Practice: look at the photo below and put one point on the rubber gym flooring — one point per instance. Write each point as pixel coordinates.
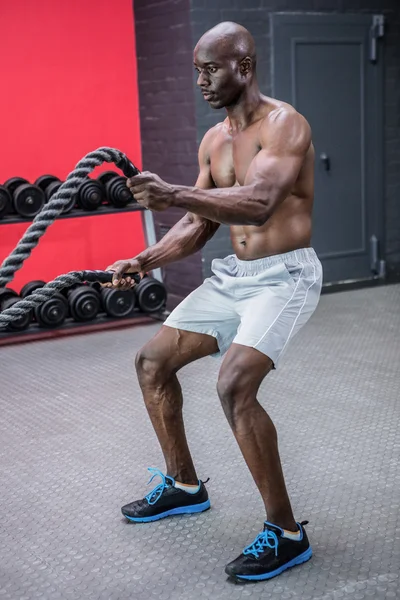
(75, 443)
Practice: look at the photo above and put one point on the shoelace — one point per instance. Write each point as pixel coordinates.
(156, 493)
(265, 539)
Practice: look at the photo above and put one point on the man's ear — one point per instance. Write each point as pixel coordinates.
(246, 65)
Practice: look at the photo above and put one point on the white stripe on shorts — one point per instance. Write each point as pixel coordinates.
(301, 308)
(290, 299)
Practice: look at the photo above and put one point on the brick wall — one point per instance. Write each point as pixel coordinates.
(254, 14)
(167, 115)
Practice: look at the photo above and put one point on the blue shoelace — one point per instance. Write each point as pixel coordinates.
(266, 539)
(156, 493)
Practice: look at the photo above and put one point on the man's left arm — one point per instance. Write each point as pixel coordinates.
(285, 140)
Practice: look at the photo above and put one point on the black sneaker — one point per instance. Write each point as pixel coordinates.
(166, 500)
(270, 554)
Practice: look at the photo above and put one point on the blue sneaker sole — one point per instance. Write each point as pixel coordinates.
(302, 558)
(181, 510)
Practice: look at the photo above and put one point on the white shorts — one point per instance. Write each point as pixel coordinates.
(258, 303)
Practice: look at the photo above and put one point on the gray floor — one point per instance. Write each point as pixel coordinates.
(75, 445)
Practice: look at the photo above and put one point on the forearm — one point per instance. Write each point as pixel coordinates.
(232, 206)
(185, 238)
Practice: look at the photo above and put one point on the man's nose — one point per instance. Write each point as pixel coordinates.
(201, 80)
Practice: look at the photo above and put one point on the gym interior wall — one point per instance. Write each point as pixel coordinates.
(69, 86)
(166, 37)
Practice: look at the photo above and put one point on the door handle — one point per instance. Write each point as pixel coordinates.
(326, 161)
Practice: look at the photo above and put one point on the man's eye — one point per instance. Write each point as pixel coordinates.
(212, 69)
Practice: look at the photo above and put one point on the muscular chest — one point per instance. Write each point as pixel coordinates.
(230, 158)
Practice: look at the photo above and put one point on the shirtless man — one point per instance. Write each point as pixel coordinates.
(256, 175)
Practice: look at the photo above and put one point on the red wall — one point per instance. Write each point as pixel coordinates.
(69, 85)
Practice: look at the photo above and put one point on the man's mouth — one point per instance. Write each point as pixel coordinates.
(207, 95)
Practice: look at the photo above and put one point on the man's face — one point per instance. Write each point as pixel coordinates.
(219, 77)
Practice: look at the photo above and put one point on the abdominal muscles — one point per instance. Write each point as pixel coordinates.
(287, 229)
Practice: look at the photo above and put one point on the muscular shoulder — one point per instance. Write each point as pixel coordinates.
(285, 128)
(208, 140)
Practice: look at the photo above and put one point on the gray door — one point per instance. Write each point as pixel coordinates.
(329, 67)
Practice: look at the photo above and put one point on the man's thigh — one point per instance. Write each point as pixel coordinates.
(207, 310)
(271, 318)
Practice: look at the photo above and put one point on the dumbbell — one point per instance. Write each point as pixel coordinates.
(27, 199)
(9, 297)
(14, 182)
(84, 302)
(30, 287)
(50, 184)
(11, 185)
(151, 294)
(90, 194)
(117, 193)
(117, 303)
(53, 312)
(44, 181)
(5, 201)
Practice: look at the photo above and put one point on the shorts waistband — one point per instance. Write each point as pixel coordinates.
(253, 267)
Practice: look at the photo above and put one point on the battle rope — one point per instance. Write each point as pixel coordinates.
(43, 220)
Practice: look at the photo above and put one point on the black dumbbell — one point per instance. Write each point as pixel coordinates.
(11, 185)
(8, 298)
(28, 200)
(151, 295)
(30, 287)
(45, 180)
(49, 184)
(14, 182)
(52, 188)
(84, 302)
(106, 176)
(53, 312)
(90, 194)
(117, 192)
(118, 303)
(5, 201)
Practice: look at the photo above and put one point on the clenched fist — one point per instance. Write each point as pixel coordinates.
(124, 266)
(150, 191)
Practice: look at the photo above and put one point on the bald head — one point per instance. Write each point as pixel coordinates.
(225, 59)
(228, 40)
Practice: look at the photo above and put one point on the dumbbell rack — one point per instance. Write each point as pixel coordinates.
(70, 327)
(102, 321)
(102, 210)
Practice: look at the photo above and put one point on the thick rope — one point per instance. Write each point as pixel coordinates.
(43, 220)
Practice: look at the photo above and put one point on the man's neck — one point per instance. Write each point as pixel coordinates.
(244, 112)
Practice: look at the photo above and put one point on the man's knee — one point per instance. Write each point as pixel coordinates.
(235, 391)
(238, 385)
(151, 364)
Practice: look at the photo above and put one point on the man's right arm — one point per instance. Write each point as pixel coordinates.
(187, 236)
